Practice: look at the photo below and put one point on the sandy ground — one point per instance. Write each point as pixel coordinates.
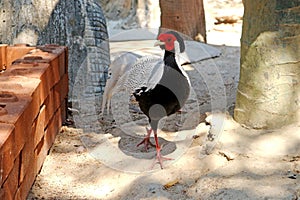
(214, 157)
(244, 164)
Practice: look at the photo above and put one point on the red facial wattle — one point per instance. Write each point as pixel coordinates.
(168, 39)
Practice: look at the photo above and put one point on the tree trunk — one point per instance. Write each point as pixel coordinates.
(184, 16)
(269, 88)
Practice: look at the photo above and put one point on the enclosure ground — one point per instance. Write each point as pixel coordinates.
(245, 164)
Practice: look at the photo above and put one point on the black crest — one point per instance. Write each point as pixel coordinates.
(179, 39)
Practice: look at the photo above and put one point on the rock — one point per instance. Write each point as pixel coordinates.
(80, 149)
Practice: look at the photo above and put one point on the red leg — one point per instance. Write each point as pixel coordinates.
(146, 140)
(159, 157)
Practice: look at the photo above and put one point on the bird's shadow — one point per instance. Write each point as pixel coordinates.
(133, 131)
(128, 145)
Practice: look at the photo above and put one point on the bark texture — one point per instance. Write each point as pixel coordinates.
(269, 88)
(184, 16)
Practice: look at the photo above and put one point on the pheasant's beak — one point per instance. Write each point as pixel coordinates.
(158, 43)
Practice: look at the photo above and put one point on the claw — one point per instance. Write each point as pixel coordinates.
(159, 159)
(146, 141)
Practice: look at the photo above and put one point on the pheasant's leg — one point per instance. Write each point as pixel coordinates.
(146, 140)
(159, 158)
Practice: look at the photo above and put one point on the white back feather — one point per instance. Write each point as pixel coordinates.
(147, 72)
(139, 75)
